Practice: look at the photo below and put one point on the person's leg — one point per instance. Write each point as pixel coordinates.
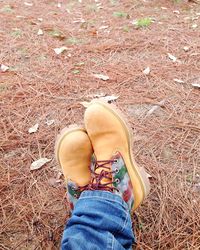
(117, 187)
(100, 220)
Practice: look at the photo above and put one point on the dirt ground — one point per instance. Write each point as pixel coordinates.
(119, 39)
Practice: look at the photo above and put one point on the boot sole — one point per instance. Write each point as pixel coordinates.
(132, 167)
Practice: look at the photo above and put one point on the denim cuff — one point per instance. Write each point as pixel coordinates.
(104, 195)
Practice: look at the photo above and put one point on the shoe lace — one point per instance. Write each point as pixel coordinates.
(95, 183)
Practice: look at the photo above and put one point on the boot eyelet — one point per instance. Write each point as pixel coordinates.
(116, 160)
(117, 180)
(75, 196)
(116, 170)
(73, 188)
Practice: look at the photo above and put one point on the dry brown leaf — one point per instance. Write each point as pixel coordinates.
(196, 85)
(155, 107)
(50, 122)
(60, 50)
(40, 32)
(147, 71)
(33, 129)
(4, 68)
(54, 182)
(186, 48)
(102, 77)
(39, 163)
(109, 98)
(28, 4)
(171, 57)
(178, 80)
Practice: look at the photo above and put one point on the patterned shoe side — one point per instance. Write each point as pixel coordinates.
(118, 179)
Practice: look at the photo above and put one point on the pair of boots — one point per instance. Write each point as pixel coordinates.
(99, 157)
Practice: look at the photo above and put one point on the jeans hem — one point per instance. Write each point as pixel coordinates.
(105, 195)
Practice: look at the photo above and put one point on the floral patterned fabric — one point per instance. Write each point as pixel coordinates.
(121, 182)
(73, 193)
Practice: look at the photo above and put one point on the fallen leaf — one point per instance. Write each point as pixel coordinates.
(155, 107)
(6, 8)
(56, 34)
(147, 71)
(120, 14)
(40, 32)
(81, 20)
(4, 68)
(195, 18)
(186, 48)
(79, 64)
(103, 27)
(54, 182)
(143, 22)
(102, 77)
(178, 80)
(171, 57)
(59, 175)
(75, 71)
(176, 11)
(39, 163)
(109, 98)
(33, 129)
(60, 50)
(99, 95)
(99, 5)
(194, 26)
(16, 32)
(28, 4)
(50, 122)
(196, 85)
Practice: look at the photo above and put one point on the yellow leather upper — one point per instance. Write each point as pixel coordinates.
(109, 134)
(105, 132)
(74, 155)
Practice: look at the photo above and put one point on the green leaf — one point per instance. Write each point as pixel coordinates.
(16, 32)
(73, 40)
(120, 14)
(141, 227)
(143, 22)
(7, 8)
(113, 2)
(79, 64)
(126, 29)
(75, 71)
(56, 34)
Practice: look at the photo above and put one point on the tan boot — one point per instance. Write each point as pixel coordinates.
(115, 168)
(73, 152)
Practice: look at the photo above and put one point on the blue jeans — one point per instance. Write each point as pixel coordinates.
(100, 220)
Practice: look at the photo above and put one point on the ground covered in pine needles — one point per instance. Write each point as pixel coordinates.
(150, 51)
